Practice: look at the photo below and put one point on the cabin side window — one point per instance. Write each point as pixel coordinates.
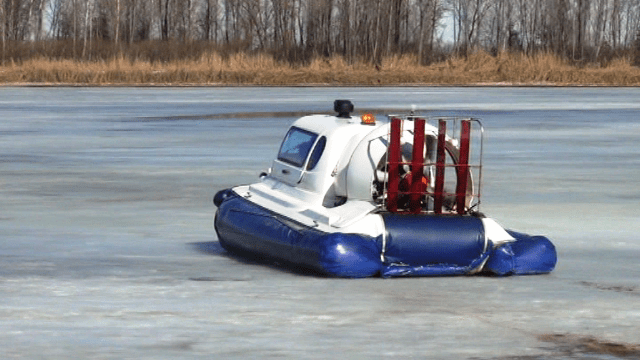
(317, 153)
(296, 146)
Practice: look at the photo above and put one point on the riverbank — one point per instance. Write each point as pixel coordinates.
(505, 69)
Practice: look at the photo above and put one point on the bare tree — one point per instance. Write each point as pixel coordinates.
(210, 21)
(430, 14)
(501, 24)
(356, 29)
(3, 31)
(88, 20)
(283, 16)
(163, 16)
(40, 19)
(469, 16)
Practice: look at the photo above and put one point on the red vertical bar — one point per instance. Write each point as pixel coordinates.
(392, 165)
(438, 195)
(463, 166)
(417, 164)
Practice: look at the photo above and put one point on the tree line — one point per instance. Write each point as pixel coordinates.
(299, 30)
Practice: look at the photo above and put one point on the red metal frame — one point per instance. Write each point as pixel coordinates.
(416, 182)
(417, 164)
(438, 196)
(463, 166)
(393, 164)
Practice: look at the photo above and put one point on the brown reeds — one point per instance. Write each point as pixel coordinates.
(213, 68)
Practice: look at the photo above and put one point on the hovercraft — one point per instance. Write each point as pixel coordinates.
(358, 196)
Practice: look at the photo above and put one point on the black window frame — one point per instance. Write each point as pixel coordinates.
(316, 153)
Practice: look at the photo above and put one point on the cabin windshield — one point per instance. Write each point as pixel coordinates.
(296, 146)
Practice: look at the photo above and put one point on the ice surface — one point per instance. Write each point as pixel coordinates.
(107, 248)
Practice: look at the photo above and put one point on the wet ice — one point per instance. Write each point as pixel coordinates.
(107, 248)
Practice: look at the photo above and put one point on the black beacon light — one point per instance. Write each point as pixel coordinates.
(343, 108)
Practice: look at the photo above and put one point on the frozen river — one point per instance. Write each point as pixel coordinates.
(107, 249)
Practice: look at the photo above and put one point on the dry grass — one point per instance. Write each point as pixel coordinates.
(262, 69)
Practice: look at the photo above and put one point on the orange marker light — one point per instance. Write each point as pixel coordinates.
(368, 119)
